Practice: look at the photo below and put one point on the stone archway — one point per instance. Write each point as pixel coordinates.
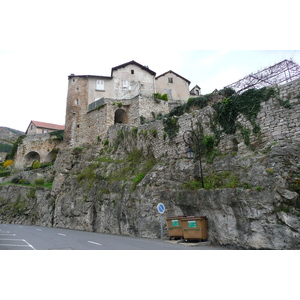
(120, 116)
(30, 157)
(51, 156)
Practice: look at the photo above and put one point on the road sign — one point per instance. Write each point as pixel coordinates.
(161, 208)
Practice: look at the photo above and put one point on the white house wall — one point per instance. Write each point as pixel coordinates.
(141, 82)
(179, 88)
(95, 94)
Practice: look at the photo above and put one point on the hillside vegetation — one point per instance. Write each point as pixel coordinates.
(7, 138)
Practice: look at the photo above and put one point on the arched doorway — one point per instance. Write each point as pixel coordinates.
(30, 157)
(120, 116)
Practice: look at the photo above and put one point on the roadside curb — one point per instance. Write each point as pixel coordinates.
(190, 244)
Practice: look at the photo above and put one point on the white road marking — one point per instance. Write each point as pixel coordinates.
(39, 229)
(29, 245)
(13, 245)
(8, 234)
(61, 234)
(94, 243)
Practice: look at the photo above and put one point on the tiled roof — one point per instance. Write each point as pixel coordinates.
(48, 125)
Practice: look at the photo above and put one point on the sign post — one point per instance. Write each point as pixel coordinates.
(161, 209)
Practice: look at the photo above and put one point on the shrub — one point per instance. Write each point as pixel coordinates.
(15, 180)
(121, 134)
(4, 173)
(31, 193)
(24, 182)
(142, 120)
(8, 163)
(153, 131)
(134, 131)
(192, 185)
(39, 181)
(36, 164)
(171, 126)
(58, 135)
(159, 96)
(138, 178)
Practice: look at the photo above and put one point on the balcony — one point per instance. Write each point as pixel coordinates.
(95, 104)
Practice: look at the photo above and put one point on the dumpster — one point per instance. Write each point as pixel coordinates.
(174, 226)
(194, 228)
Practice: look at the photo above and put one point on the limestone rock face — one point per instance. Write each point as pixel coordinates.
(115, 192)
(98, 194)
(26, 205)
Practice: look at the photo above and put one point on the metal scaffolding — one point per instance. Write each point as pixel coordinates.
(279, 74)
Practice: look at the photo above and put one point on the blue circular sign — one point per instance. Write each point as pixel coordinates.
(161, 208)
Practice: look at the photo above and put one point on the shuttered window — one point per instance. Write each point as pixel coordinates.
(100, 85)
(126, 85)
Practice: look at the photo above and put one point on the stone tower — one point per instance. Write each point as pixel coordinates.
(77, 103)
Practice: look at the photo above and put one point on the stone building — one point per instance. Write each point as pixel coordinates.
(95, 103)
(40, 147)
(174, 85)
(36, 127)
(195, 91)
(38, 144)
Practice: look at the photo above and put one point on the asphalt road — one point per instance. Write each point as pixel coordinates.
(21, 237)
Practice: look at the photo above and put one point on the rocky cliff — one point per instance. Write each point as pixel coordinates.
(251, 201)
(251, 175)
(26, 205)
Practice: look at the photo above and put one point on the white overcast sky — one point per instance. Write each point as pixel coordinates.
(43, 42)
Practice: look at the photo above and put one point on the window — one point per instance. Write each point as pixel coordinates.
(77, 102)
(170, 79)
(126, 85)
(132, 71)
(100, 85)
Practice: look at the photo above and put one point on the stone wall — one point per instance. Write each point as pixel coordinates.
(85, 127)
(278, 119)
(43, 145)
(276, 123)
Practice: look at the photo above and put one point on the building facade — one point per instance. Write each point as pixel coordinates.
(36, 127)
(95, 103)
(174, 85)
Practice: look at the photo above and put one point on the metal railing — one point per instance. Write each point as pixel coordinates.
(96, 104)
